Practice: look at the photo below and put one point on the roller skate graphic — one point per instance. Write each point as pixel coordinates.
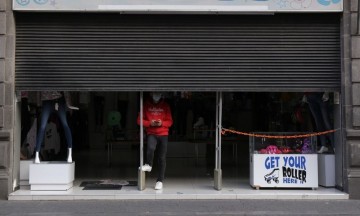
(274, 175)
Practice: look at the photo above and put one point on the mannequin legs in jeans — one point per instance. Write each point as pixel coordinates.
(48, 107)
(319, 110)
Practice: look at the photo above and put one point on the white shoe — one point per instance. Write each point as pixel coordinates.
(158, 185)
(69, 158)
(37, 158)
(146, 168)
(323, 149)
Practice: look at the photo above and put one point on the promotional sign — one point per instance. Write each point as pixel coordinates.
(180, 6)
(284, 170)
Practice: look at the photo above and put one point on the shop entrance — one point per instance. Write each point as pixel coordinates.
(106, 136)
(107, 139)
(111, 60)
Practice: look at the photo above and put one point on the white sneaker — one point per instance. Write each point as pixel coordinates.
(323, 149)
(37, 158)
(158, 185)
(146, 168)
(69, 158)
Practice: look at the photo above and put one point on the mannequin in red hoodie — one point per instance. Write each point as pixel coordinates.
(157, 120)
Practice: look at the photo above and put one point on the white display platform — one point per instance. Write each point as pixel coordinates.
(326, 170)
(54, 175)
(284, 171)
(24, 171)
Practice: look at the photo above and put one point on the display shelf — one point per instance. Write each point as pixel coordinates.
(283, 162)
(300, 145)
(326, 166)
(52, 175)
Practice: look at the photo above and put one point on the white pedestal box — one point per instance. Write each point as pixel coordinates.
(24, 172)
(284, 171)
(327, 170)
(54, 175)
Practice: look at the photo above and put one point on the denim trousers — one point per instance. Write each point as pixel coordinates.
(48, 106)
(159, 142)
(320, 111)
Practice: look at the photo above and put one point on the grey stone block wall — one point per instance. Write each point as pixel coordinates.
(7, 59)
(355, 65)
(353, 129)
(3, 190)
(355, 68)
(2, 5)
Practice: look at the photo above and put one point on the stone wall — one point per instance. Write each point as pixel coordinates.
(352, 101)
(7, 59)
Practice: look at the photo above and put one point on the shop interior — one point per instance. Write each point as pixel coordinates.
(106, 136)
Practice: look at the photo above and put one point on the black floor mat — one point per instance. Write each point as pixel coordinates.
(102, 187)
(84, 183)
(131, 183)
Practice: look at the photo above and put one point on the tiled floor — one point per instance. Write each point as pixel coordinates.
(181, 188)
(185, 180)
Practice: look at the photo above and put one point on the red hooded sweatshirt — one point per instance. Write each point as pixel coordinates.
(156, 111)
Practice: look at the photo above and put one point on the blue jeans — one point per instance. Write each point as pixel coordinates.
(319, 110)
(48, 106)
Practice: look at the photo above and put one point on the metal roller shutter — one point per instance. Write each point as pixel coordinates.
(114, 52)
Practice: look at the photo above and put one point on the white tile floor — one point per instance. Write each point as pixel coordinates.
(180, 188)
(185, 179)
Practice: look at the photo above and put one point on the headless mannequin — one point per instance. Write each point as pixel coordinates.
(318, 104)
(53, 101)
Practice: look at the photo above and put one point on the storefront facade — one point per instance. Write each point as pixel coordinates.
(157, 47)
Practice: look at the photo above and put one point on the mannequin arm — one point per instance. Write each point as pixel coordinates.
(325, 96)
(68, 101)
(304, 99)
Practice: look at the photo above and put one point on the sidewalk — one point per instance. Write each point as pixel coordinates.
(179, 207)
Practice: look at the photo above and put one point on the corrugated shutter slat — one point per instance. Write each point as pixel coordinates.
(112, 52)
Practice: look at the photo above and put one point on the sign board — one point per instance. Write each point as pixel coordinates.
(180, 6)
(284, 170)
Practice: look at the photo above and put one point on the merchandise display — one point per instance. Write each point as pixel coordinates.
(283, 160)
(260, 145)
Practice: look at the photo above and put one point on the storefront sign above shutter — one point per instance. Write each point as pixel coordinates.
(181, 6)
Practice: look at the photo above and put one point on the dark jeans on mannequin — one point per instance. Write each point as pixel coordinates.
(320, 111)
(48, 106)
(25, 119)
(161, 142)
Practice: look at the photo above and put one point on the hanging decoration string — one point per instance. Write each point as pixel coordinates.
(225, 130)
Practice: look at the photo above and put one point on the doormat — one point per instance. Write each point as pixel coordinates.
(102, 187)
(106, 184)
